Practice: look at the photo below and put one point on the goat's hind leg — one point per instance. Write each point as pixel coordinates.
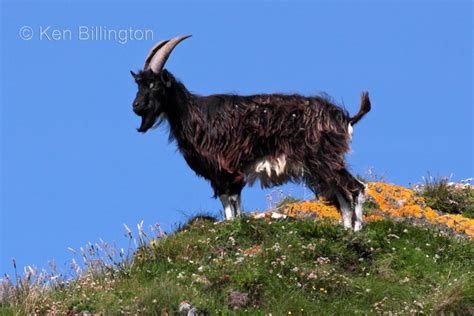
(357, 189)
(346, 211)
(358, 210)
(334, 194)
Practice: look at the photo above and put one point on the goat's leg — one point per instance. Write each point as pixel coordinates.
(357, 189)
(360, 199)
(235, 203)
(359, 220)
(346, 211)
(227, 204)
(332, 192)
(339, 187)
(235, 189)
(231, 204)
(228, 189)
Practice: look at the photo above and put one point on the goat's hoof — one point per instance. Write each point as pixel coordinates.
(357, 227)
(347, 226)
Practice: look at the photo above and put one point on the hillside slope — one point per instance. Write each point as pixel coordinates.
(419, 262)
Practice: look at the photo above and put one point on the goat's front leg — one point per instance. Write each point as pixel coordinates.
(227, 205)
(235, 202)
(231, 204)
(229, 193)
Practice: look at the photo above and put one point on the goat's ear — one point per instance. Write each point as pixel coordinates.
(134, 75)
(165, 78)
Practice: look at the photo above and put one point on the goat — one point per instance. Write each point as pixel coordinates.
(232, 140)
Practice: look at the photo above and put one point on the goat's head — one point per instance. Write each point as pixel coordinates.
(153, 83)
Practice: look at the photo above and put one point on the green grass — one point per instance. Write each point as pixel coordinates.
(302, 267)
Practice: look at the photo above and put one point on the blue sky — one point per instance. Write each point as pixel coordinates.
(74, 169)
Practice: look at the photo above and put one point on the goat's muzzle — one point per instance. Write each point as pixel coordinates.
(140, 107)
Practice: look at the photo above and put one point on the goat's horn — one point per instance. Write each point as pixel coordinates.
(163, 51)
(152, 53)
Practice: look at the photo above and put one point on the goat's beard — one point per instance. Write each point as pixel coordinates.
(147, 122)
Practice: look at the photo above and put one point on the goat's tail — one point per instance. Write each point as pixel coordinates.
(364, 108)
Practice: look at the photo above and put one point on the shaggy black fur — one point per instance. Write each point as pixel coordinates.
(223, 136)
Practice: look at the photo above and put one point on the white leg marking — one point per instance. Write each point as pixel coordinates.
(235, 203)
(226, 203)
(345, 211)
(359, 219)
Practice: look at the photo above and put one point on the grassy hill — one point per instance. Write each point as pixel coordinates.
(408, 259)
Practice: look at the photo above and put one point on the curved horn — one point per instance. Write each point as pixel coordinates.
(152, 53)
(159, 59)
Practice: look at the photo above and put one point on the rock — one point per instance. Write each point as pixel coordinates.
(186, 308)
(238, 299)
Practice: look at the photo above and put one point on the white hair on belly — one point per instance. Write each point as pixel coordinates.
(267, 165)
(271, 170)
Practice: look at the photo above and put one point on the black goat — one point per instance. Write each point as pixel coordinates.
(232, 140)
